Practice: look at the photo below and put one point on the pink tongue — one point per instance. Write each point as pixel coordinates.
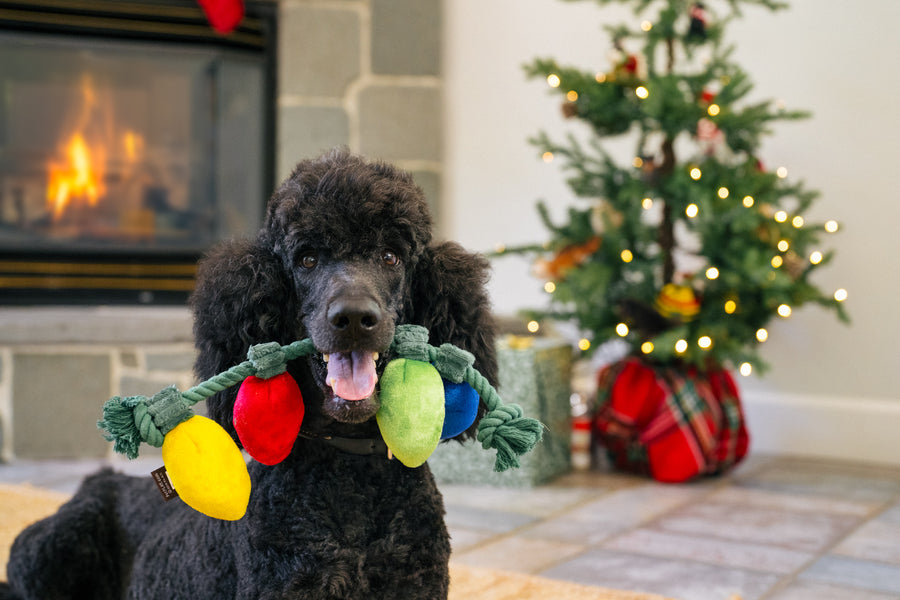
(351, 375)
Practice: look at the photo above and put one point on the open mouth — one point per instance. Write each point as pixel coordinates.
(351, 375)
(349, 383)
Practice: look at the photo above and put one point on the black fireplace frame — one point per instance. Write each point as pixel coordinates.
(40, 277)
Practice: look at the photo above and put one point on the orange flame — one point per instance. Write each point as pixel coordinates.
(78, 179)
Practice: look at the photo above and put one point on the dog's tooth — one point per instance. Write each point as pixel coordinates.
(325, 357)
(375, 356)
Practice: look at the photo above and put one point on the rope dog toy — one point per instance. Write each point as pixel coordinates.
(427, 394)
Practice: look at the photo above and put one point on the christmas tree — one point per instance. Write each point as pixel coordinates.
(688, 249)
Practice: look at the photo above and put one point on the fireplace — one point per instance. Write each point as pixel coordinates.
(132, 137)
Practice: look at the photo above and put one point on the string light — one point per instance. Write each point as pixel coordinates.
(797, 221)
(762, 335)
(584, 344)
(638, 162)
(748, 201)
(705, 342)
(641, 92)
(646, 25)
(500, 248)
(777, 261)
(723, 192)
(647, 203)
(781, 172)
(816, 257)
(696, 173)
(622, 329)
(713, 110)
(600, 77)
(681, 346)
(712, 273)
(730, 307)
(784, 311)
(533, 326)
(781, 216)
(746, 369)
(783, 245)
(571, 95)
(831, 226)
(549, 287)
(547, 156)
(647, 347)
(553, 80)
(627, 256)
(692, 210)
(840, 295)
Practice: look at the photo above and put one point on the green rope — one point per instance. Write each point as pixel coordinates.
(129, 421)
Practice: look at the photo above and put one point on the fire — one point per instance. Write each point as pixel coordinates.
(79, 179)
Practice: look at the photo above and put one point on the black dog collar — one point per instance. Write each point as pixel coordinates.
(360, 447)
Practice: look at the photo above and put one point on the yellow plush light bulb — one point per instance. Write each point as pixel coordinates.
(207, 469)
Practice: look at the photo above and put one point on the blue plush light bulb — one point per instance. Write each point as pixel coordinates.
(460, 408)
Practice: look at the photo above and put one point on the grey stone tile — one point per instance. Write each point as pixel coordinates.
(462, 539)
(844, 481)
(495, 521)
(523, 555)
(574, 531)
(806, 532)
(851, 572)
(804, 590)
(674, 578)
(170, 361)
(892, 514)
(399, 122)
(319, 50)
(57, 399)
(762, 498)
(753, 557)
(430, 182)
(306, 132)
(406, 37)
(877, 540)
(540, 501)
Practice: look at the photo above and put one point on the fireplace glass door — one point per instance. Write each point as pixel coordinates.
(126, 147)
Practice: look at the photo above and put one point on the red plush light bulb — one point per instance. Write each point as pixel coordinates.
(267, 416)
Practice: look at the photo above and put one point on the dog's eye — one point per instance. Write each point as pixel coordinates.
(309, 260)
(390, 259)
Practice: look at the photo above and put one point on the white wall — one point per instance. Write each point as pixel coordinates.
(838, 60)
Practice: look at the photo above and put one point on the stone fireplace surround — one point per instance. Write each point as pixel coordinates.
(359, 73)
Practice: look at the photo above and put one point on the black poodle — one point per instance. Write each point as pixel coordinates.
(345, 256)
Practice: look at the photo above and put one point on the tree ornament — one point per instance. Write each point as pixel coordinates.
(709, 137)
(604, 216)
(677, 302)
(566, 259)
(697, 30)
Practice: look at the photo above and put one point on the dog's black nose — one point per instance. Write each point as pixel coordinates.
(354, 314)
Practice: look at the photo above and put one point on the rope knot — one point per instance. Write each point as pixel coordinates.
(268, 359)
(411, 341)
(510, 433)
(452, 362)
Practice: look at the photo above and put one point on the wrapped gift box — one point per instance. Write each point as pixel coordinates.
(535, 373)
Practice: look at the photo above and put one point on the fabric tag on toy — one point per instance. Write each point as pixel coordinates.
(162, 482)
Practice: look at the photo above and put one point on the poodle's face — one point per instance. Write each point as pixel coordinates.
(349, 236)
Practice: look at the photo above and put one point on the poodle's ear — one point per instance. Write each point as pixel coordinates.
(449, 298)
(243, 297)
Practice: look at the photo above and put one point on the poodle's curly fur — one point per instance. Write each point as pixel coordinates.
(344, 256)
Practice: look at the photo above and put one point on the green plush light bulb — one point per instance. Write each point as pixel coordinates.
(412, 410)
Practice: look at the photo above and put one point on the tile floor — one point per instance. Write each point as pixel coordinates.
(777, 528)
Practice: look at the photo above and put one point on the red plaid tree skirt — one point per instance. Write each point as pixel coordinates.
(669, 423)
